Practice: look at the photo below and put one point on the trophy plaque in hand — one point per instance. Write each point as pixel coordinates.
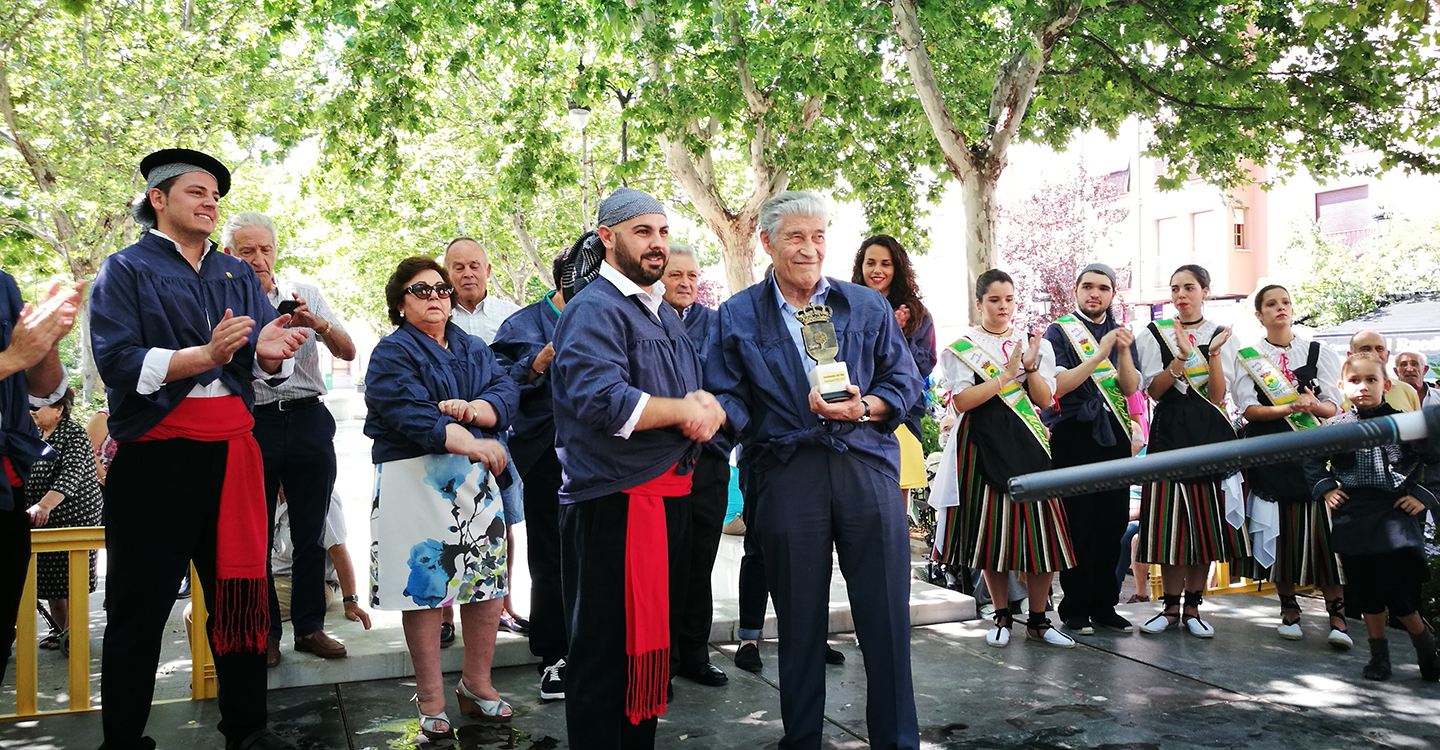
(818, 335)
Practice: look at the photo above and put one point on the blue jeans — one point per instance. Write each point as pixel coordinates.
(1130, 532)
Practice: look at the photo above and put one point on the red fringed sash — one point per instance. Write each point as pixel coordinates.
(647, 595)
(241, 620)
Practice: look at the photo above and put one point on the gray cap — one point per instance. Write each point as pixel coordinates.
(625, 204)
(1097, 268)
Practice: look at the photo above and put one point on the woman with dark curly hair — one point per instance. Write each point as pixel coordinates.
(436, 398)
(883, 265)
(62, 493)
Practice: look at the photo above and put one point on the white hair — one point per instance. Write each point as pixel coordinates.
(791, 203)
(245, 220)
(1424, 361)
(681, 248)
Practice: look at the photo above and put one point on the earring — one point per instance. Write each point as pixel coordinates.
(402, 313)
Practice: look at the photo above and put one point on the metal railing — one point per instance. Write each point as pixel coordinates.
(77, 543)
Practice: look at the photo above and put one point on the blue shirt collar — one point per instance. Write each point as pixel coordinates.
(817, 298)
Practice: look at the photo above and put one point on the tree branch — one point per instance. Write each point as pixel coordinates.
(531, 247)
(954, 146)
(1142, 83)
(34, 230)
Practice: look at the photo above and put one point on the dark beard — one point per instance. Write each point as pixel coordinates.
(632, 267)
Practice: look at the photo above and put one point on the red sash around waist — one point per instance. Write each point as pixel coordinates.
(647, 594)
(241, 620)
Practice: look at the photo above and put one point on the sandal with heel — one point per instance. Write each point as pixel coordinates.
(999, 636)
(1168, 618)
(495, 712)
(434, 727)
(1290, 623)
(1339, 636)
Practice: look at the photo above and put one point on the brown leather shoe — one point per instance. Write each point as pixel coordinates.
(272, 653)
(320, 644)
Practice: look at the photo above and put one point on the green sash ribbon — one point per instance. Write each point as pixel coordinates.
(1271, 381)
(984, 364)
(1104, 375)
(1197, 370)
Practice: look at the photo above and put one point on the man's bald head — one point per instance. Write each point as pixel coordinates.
(1370, 341)
(469, 269)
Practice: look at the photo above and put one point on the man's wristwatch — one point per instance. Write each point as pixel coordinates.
(351, 599)
(866, 416)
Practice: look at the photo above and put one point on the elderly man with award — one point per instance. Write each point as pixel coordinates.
(815, 377)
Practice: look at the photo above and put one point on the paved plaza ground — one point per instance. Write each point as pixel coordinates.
(1244, 689)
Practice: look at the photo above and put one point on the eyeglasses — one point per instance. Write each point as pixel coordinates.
(421, 290)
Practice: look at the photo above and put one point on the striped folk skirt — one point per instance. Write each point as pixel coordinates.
(990, 531)
(1183, 523)
(1303, 555)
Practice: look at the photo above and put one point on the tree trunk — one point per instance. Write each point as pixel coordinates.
(90, 384)
(737, 250)
(978, 193)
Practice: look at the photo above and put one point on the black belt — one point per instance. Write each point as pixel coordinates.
(291, 405)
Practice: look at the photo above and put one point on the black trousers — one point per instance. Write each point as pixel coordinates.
(299, 451)
(709, 496)
(14, 562)
(542, 551)
(818, 505)
(754, 591)
(592, 535)
(163, 502)
(1097, 523)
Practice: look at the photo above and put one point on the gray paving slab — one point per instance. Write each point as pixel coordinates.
(741, 715)
(308, 716)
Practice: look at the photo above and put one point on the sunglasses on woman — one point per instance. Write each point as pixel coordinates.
(421, 290)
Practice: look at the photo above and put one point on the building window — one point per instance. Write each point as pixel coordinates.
(1120, 181)
(1344, 215)
(1239, 236)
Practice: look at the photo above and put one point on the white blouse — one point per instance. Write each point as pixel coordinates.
(1288, 359)
(958, 375)
(1151, 364)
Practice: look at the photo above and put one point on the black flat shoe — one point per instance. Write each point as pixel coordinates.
(748, 658)
(709, 675)
(833, 657)
(1113, 621)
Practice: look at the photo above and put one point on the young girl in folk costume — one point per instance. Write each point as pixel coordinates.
(1375, 498)
(1287, 382)
(997, 376)
(1183, 525)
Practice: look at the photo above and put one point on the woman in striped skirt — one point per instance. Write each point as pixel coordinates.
(1183, 525)
(996, 375)
(1300, 551)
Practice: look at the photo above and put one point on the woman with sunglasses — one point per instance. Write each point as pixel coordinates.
(436, 398)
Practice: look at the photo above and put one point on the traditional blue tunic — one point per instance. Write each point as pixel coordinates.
(825, 486)
(608, 350)
(519, 340)
(20, 441)
(759, 377)
(922, 348)
(409, 374)
(1086, 403)
(148, 296)
(699, 323)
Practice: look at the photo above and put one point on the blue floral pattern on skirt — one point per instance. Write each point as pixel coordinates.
(439, 534)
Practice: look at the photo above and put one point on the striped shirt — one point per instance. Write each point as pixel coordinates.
(306, 380)
(486, 320)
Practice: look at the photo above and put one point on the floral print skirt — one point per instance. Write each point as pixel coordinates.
(438, 527)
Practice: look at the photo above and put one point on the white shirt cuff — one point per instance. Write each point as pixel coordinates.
(287, 366)
(60, 389)
(634, 419)
(154, 370)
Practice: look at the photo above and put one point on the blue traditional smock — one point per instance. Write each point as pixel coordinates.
(612, 351)
(437, 519)
(759, 375)
(20, 442)
(148, 299)
(521, 337)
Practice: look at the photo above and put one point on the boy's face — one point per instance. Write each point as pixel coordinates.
(1364, 384)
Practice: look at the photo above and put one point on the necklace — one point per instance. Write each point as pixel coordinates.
(1286, 346)
(1192, 323)
(1002, 334)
